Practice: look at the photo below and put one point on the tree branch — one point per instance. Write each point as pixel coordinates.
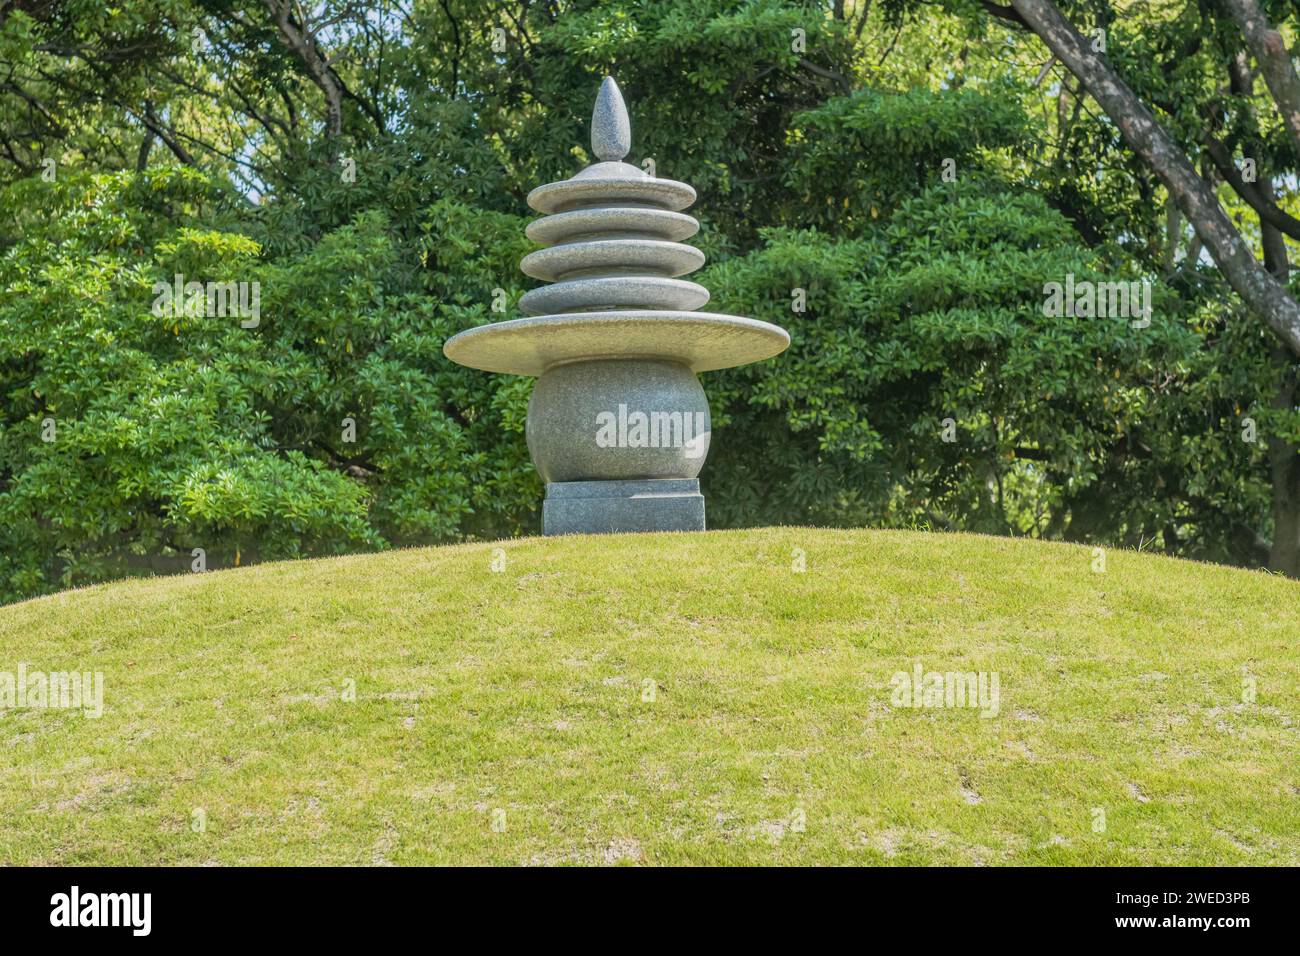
(839, 78)
(1149, 140)
(302, 42)
(1009, 14)
(1251, 193)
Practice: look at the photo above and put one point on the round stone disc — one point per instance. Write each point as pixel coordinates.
(612, 257)
(572, 193)
(610, 222)
(614, 293)
(702, 341)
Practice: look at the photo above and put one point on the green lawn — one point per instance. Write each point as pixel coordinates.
(505, 717)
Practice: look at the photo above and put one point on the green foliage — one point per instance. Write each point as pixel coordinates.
(852, 155)
(176, 432)
(938, 314)
(822, 148)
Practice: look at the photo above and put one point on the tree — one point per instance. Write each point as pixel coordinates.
(919, 178)
(1261, 285)
(137, 430)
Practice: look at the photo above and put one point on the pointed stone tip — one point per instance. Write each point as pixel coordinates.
(611, 132)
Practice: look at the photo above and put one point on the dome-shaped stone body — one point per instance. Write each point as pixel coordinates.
(643, 419)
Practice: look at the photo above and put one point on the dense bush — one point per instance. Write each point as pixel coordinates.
(919, 209)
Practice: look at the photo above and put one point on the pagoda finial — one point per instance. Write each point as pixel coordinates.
(611, 133)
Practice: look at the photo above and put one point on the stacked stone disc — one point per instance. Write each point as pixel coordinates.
(615, 330)
(614, 233)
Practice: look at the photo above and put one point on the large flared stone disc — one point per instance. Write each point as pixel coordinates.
(611, 222)
(599, 191)
(702, 341)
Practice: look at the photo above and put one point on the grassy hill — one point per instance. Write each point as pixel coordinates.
(420, 707)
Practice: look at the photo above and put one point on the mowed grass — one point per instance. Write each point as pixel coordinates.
(506, 717)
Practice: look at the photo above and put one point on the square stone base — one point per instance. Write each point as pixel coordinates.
(607, 507)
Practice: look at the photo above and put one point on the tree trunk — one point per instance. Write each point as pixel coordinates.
(1284, 465)
(1283, 457)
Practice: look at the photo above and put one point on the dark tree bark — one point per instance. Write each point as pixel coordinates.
(142, 157)
(1250, 192)
(1283, 457)
(155, 126)
(1284, 470)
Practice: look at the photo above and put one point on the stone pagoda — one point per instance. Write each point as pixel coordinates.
(618, 424)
